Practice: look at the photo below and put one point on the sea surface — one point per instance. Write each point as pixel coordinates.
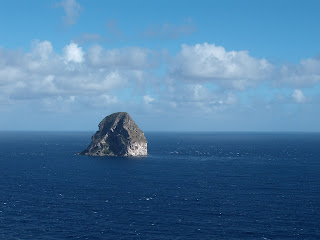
(191, 186)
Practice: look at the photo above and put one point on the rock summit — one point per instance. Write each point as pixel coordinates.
(118, 135)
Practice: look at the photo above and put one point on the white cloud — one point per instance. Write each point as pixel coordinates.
(211, 63)
(304, 74)
(42, 50)
(190, 97)
(72, 11)
(72, 98)
(148, 99)
(109, 99)
(298, 96)
(68, 77)
(9, 74)
(109, 81)
(102, 101)
(208, 63)
(230, 98)
(100, 77)
(199, 92)
(131, 57)
(73, 53)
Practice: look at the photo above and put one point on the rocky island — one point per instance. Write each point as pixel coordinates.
(118, 135)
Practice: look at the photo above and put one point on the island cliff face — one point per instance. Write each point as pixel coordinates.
(118, 135)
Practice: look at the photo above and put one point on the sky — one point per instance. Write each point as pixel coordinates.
(172, 65)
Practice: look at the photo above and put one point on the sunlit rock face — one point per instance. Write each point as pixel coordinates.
(118, 135)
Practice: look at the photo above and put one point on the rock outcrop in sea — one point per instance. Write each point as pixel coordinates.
(118, 135)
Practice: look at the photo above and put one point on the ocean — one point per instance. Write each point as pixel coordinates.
(191, 186)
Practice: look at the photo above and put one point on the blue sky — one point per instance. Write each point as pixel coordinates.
(173, 65)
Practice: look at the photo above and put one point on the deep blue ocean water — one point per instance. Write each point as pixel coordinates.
(191, 186)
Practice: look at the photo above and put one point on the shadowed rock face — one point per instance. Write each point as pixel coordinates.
(118, 135)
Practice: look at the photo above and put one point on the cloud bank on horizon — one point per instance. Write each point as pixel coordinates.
(202, 79)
